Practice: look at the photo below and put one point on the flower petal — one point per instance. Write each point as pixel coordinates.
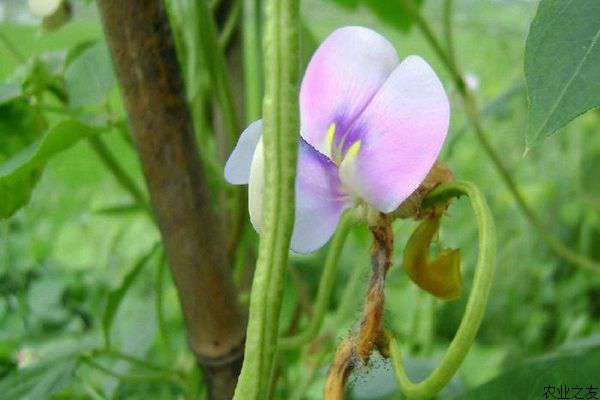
(256, 183)
(319, 198)
(402, 131)
(237, 168)
(341, 78)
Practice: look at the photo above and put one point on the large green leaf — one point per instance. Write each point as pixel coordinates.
(19, 174)
(39, 381)
(575, 366)
(562, 63)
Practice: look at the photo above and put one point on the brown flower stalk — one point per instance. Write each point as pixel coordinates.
(358, 348)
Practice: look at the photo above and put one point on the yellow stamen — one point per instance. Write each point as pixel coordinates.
(329, 139)
(353, 151)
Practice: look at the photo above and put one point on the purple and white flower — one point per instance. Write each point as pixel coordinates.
(371, 128)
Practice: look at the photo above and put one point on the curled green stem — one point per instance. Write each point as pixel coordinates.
(325, 285)
(476, 303)
(473, 116)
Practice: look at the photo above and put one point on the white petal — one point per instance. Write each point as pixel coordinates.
(237, 168)
(256, 183)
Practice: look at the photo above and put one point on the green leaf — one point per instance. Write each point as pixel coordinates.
(20, 173)
(39, 381)
(562, 64)
(89, 77)
(389, 12)
(116, 296)
(20, 125)
(575, 366)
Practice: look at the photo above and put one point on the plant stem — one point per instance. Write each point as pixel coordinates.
(111, 353)
(281, 127)
(252, 51)
(473, 116)
(112, 165)
(448, 31)
(230, 24)
(214, 59)
(325, 285)
(381, 261)
(357, 348)
(476, 303)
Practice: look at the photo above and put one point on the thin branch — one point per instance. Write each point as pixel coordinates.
(448, 31)
(231, 23)
(135, 378)
(115, 354)
(217, 69)
(112, 165)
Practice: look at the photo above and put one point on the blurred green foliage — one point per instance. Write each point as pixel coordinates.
(66, 257)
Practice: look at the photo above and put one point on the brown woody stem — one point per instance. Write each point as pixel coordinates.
(143, 54)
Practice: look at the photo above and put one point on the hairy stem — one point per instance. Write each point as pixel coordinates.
(142, 49)
(281, 128)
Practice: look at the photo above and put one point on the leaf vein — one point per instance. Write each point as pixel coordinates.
(568, 84)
